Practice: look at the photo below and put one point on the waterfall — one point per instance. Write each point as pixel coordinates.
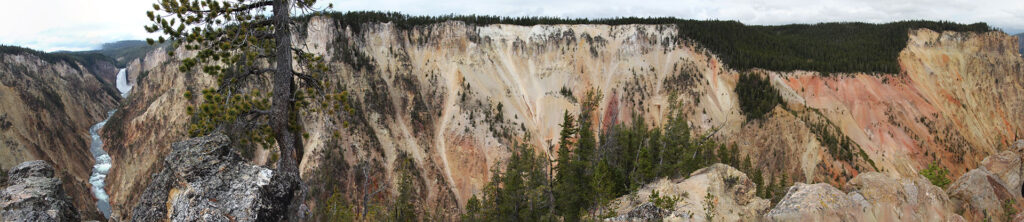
(122, 83)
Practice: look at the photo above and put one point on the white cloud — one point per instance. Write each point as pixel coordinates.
(84, 24)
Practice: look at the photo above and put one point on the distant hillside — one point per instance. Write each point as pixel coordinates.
(96, 63)
(125, 51)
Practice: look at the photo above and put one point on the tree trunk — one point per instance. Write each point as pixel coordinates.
(283, 83)
(288, 183)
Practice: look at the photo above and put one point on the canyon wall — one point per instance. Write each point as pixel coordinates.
(46, 109)
(451, 99)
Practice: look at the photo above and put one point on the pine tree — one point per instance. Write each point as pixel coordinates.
(238, 42)
(566, 180)
(473, 210)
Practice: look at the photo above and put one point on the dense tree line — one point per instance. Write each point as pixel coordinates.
(587, 174)
(756, 94)
(823, 47)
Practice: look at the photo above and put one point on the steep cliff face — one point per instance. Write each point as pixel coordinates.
(453, 97)
(46, 110)
(140, 134)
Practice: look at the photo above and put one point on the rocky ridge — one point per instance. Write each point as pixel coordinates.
(205, 180)
(981, 194)
(34, 194)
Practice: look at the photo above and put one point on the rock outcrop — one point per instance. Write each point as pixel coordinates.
(990, 192)
(1007, 166)
(979, 194)
(818, 202)
(883, 198)
(732, 194)
(869, 197)
(204, 180)
(34, 194)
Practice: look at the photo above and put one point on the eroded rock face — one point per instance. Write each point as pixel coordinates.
(35, 195)
(733, 195)
(979, 194)
(870, 197)
(203, 180)
(425, 96)
(820, 202)
(884, 198)
(1006, 165)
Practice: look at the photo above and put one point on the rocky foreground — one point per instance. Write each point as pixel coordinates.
(205, 181)
(990, 192)
(34, 194)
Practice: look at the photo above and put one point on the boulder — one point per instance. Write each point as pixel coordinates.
(34, 194)
(816, 202)
(732, 193)
(1005, 165)
(203, 180)
(980, 194)
(870, 196)
(883, 198)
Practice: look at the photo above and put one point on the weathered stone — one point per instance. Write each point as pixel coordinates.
(35, 195)
(203, 180)
(816, 202)
(888, 199)
(1006, 165)
(979, 194)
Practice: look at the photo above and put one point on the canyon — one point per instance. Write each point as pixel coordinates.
(452, 98)
(48, 108)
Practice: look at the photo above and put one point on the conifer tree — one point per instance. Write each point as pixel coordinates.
(240, 43)
(565, 180)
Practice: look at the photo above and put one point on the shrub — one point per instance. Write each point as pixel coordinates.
(709, 206)
(664, 202)
(937, 175)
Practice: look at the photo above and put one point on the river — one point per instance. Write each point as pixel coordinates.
(102, 167)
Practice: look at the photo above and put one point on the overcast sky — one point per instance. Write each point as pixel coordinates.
(51, 25)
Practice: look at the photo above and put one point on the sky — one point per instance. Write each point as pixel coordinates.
(75, 25)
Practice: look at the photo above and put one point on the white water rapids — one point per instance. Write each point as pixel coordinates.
(99, 171)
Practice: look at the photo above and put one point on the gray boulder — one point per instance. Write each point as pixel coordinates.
(814, 202)
(1007, 166)
(979, 194)
(34, 194)
(203, 180)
